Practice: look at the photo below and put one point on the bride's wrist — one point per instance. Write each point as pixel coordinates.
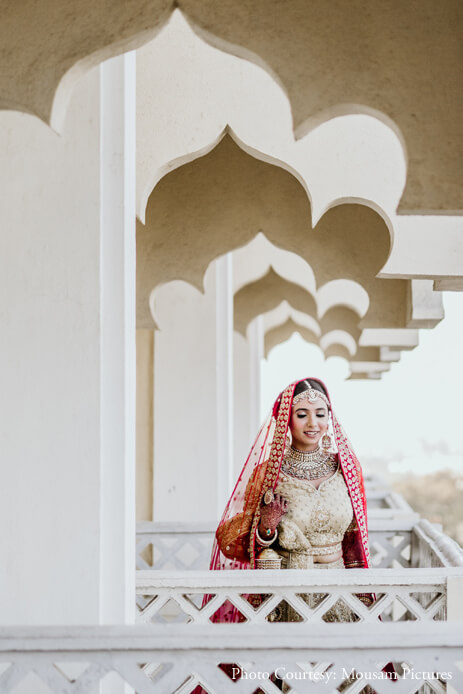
(266, 529)
(266, 538)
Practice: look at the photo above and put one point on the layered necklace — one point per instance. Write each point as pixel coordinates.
(308, 465)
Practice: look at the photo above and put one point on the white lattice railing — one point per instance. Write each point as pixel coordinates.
(312, 659)
(419, 595)
(383, 500)
(431, 547)
(188, 546)
(416, 631)
(394, 542)
(174, 545)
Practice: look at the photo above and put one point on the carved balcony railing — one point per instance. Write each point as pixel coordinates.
(312, 659)
(419, 595)
(416, 582)
(398, 538)
(411, 615)
(404, 541)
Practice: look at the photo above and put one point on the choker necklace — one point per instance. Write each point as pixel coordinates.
(308, 465)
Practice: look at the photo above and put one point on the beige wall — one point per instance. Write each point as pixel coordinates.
(398, 60)
(144, 470)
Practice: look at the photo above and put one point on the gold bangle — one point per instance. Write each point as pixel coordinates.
(266, 543)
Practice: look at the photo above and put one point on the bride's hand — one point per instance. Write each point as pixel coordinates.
(272, 513)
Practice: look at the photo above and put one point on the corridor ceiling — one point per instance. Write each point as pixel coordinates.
(396, 60)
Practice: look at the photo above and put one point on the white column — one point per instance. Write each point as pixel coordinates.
(144, 425)
(50, 365)
(224, 378)
(67, 265)
(256, 344)
(117, 347)
(454, 598)
(193, 402)
(243, 434)
(185, 403)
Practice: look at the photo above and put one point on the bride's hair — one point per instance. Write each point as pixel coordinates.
(300, 388)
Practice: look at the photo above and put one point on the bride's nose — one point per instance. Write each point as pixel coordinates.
(312, 420)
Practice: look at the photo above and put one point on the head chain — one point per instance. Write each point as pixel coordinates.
(311, 394)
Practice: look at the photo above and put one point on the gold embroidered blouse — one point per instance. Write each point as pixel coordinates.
(317, 519)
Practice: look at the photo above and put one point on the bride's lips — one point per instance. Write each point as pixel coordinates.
(311, 433)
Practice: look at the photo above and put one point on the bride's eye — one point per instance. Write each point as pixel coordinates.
(300, 416)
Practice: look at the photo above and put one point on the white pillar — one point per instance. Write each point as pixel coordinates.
(144, 425)
(117, 346)
(185, 394)
(50, 365)
(454, 598)
(193, 405)
(67, 264)
(256, 343)
(224, 378)
(243, 434)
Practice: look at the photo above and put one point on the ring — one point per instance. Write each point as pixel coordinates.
(268, 497)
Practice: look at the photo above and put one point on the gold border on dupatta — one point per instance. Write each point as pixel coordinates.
(351, 469)
(277, 450)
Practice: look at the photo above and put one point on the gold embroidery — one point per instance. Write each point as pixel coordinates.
(317, 517)
(274, 461)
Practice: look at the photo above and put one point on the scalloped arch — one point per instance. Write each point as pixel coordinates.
(403, 66)
(262, 295)
(281, 333)
(220, 201)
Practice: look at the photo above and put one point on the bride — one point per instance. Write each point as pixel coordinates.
(299, 501)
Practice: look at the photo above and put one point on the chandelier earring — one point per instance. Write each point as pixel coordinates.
(326, 442)
(289, 439)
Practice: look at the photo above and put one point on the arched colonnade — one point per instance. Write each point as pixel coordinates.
(72, 191)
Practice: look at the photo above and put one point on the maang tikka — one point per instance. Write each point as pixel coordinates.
(311, 394)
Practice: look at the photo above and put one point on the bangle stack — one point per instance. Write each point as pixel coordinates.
(268, 542)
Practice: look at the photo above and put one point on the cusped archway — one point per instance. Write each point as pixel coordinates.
(406, 77)
(264, 294)
(220, 201)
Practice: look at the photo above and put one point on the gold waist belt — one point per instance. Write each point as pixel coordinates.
(313, 551)
(323, 550)
(304, 559)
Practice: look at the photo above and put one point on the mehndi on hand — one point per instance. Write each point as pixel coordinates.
(271, 514)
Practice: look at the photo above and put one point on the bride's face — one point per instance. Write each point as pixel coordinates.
(309, 421)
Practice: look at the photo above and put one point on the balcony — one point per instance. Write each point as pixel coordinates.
(175, 659)
(413, 621)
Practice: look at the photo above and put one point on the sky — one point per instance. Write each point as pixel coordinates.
(410, 421)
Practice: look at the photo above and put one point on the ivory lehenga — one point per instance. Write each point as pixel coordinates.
(314, 526)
